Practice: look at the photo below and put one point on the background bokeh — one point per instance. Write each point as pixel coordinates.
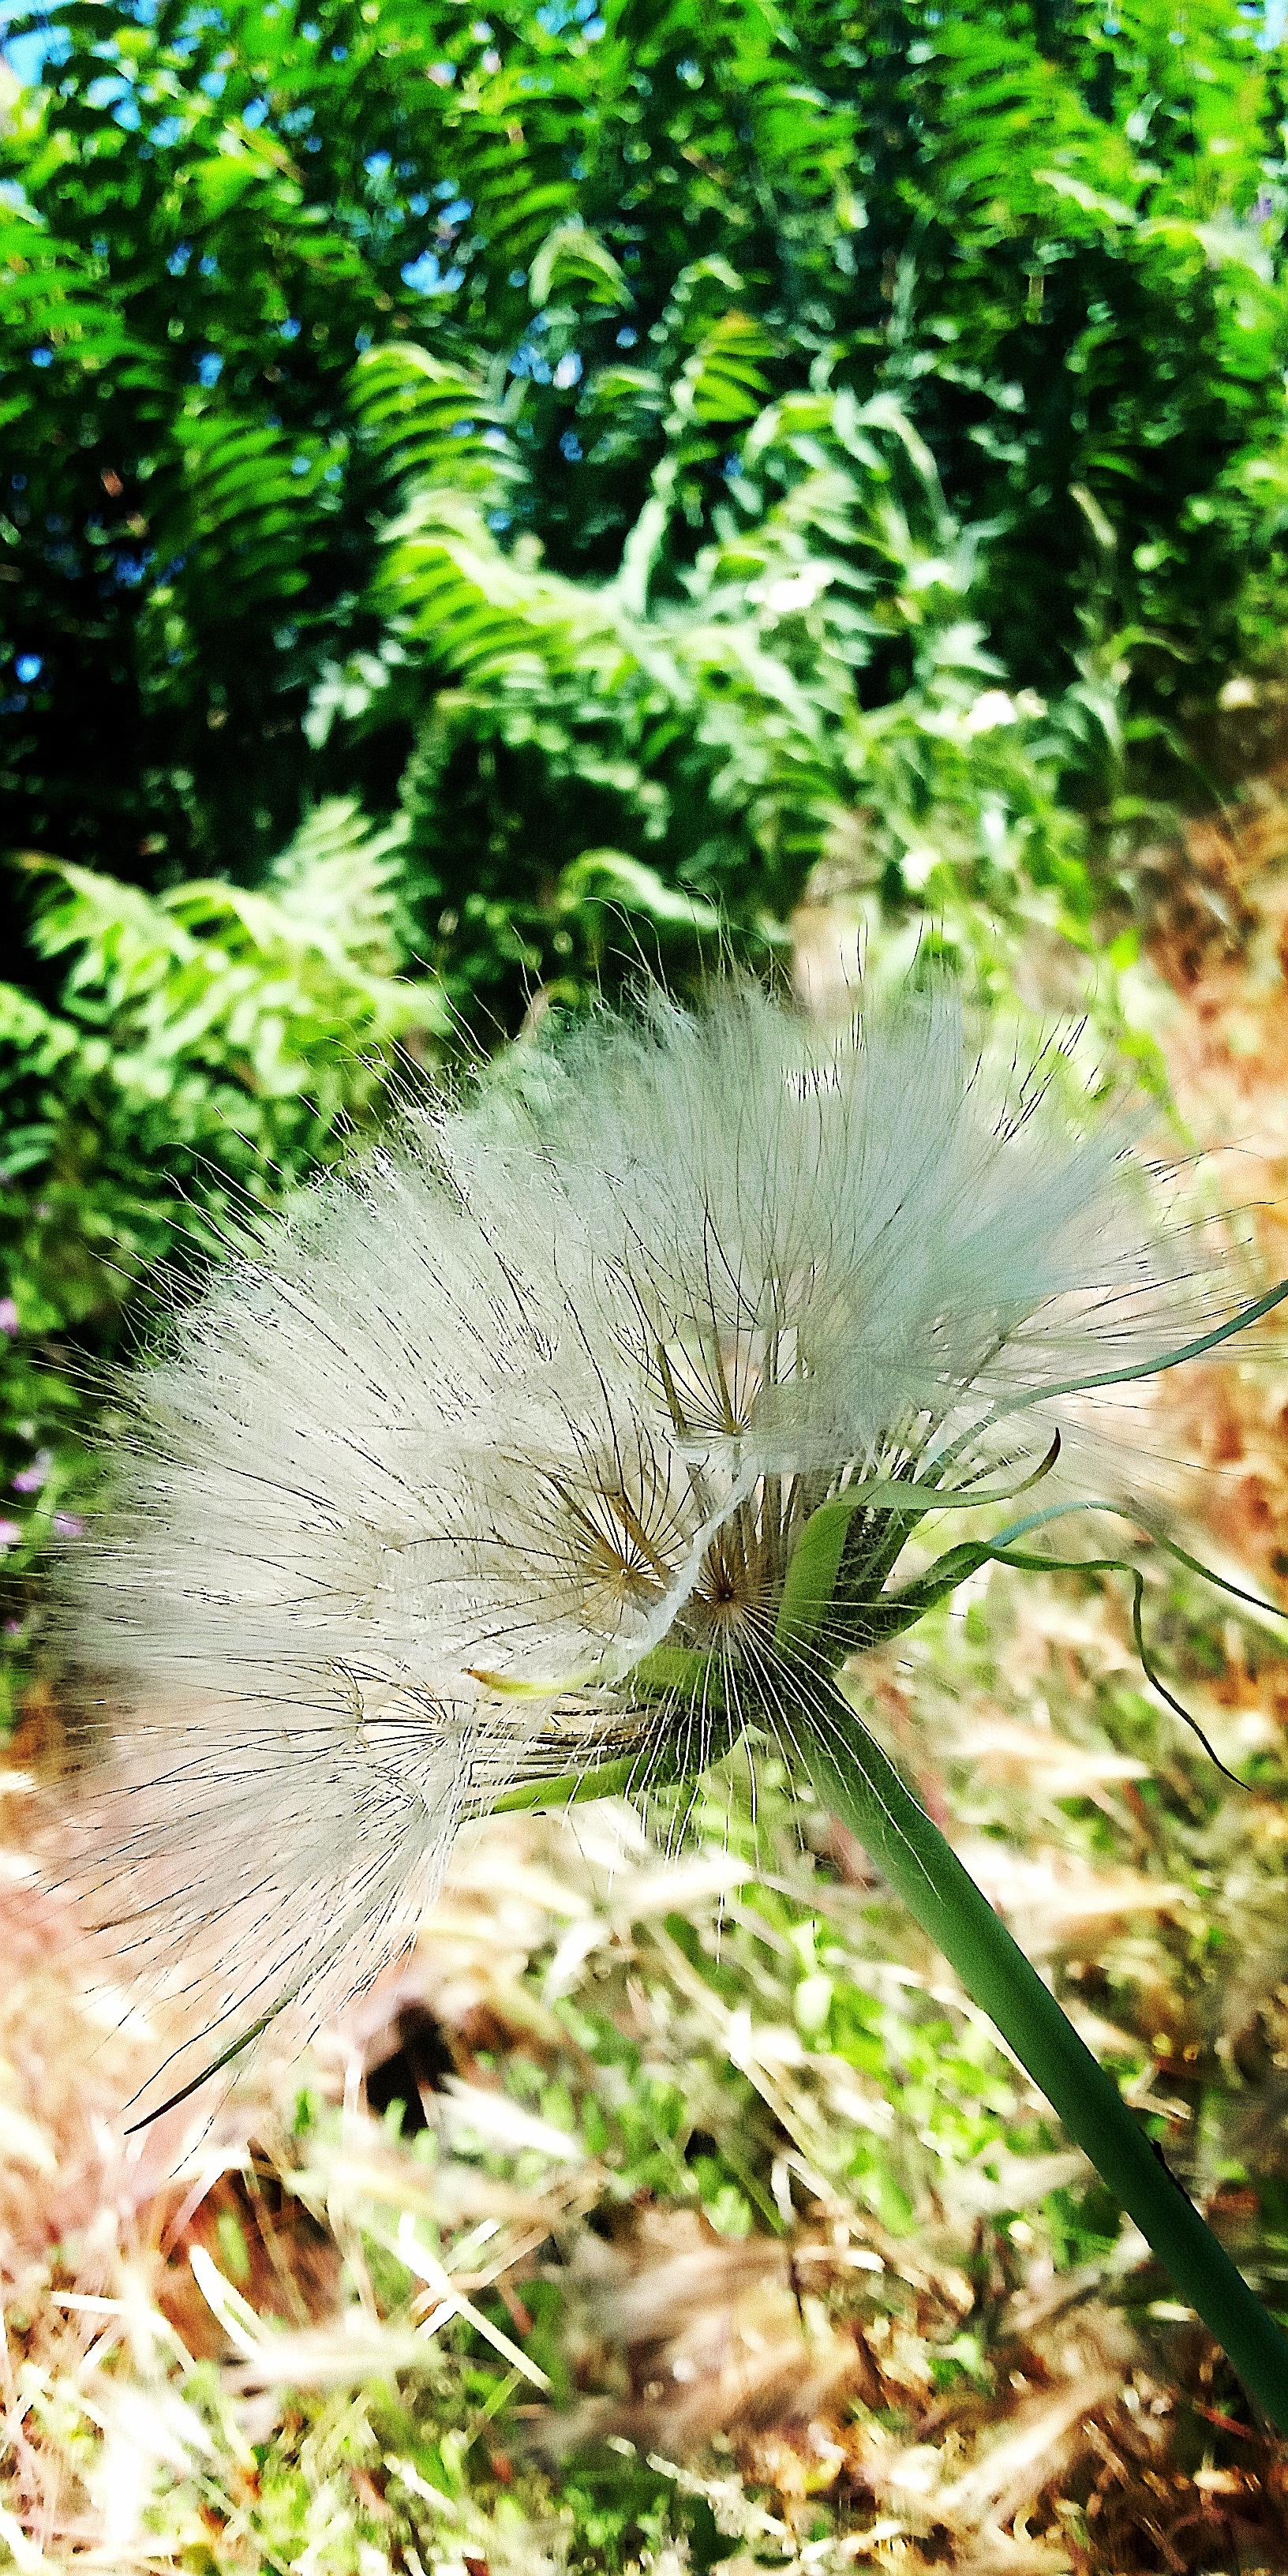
(490, 505)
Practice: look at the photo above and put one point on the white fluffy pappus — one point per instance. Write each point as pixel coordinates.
(551, 1381)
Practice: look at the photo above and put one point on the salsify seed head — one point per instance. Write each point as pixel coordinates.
(451, 1459)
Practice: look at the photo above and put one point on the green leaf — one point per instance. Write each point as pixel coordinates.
(573, 257)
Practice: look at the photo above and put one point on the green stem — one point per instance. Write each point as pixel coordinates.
(853, 1777)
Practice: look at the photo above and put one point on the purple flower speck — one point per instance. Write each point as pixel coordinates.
(9, 1531)
(67, 1525)
(8, 1315)
(30, 1479)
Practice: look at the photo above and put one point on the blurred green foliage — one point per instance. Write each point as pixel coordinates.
(561, 476)
(209, 1047)
(627, 285)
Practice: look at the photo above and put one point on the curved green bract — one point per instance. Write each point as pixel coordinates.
(1192, 1350)
(1120, 1565)
(680, 1673)
(853, 1602)
(569, 1788)
(812, 1574)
